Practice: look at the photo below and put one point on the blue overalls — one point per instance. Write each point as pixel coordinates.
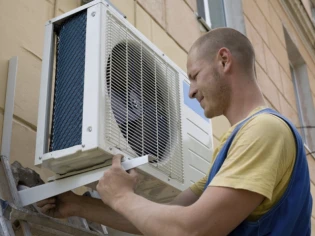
(292, 214)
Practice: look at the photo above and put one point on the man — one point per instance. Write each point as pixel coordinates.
(258, 182)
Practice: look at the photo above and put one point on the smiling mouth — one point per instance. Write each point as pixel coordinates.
(200, 102)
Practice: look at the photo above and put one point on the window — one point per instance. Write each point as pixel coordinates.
(304, 99)
(298, 102)
(211, 13)
(313, 13)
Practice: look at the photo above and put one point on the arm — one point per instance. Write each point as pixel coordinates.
(219, 210)
(95, 210)
(185, 198)
(69, 204)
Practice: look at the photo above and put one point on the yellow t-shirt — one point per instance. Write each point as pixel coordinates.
(260, 159)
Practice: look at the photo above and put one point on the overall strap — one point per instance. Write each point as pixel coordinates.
(223, 152)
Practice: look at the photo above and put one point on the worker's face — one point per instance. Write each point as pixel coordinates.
(207, 85)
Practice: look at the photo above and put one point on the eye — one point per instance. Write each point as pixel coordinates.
(195, 76)
(191, 78)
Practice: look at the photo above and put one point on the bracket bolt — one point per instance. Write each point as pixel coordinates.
(93, 13)
(89, 129)
(83, 145)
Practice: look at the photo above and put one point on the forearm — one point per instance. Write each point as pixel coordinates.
(152, 218)
(96, 211)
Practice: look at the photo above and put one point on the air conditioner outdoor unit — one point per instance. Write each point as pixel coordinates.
(106, 89)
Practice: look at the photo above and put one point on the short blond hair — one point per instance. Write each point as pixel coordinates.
(240, 47)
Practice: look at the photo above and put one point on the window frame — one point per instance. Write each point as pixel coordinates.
(298, 102)
(211, 13)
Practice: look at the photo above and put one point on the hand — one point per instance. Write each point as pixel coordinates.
(61, 206)
(116, 183)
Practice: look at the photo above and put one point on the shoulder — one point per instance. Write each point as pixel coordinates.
(266, 127)
(265, 136)
(259, 156)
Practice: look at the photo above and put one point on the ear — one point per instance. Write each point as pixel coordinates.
(224, 57)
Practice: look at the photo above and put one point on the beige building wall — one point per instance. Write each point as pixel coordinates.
(22, 34)
(264, 21)
(172, 26)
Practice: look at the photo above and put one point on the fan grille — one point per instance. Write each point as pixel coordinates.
(143, 100)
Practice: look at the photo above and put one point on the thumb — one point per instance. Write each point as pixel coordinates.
(133, 173)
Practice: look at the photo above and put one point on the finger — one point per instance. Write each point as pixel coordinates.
(133, 173)
(47, 207)
(117, 161)
(46, 201)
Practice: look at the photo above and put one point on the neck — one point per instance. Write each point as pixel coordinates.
(245, 97)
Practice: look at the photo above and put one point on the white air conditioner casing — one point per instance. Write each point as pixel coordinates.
(147, 88)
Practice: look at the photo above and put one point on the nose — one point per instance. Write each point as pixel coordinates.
(192, 91)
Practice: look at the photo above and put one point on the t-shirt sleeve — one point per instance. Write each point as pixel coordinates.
(255, 156)
(198, 187)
